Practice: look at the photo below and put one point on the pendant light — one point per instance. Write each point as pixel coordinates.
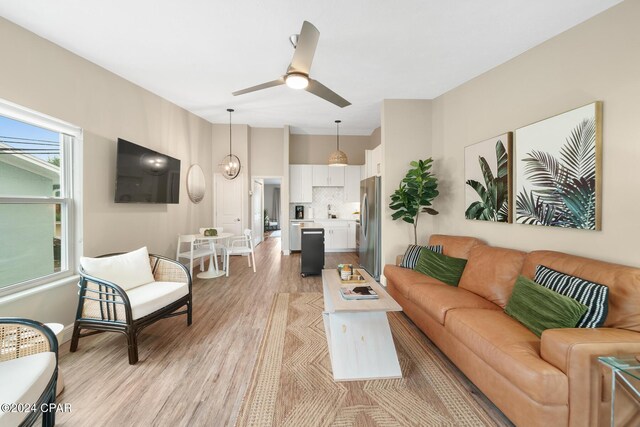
(338, 158)
(230, 165)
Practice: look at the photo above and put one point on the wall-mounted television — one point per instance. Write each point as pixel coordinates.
(146, 176)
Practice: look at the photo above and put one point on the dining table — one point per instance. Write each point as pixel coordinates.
(213, 271)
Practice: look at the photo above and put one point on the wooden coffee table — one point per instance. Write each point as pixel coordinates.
(358, 333)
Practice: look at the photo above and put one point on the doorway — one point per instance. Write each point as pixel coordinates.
(272, 206)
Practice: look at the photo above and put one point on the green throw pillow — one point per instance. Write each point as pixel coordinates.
(539, 308)
(442, 267)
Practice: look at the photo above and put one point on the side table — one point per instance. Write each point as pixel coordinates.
(626, 370)
(57, 330)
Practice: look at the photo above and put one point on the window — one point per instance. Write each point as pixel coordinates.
(38, 218)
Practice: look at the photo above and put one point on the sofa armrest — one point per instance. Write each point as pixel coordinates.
(574, 352)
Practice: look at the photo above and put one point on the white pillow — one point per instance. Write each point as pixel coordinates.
(127, 270)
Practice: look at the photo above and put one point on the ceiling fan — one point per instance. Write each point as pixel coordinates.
(297, 75)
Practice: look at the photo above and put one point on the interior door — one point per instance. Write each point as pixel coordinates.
(257, 209)
(228, 204)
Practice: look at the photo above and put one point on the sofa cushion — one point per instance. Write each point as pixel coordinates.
(539, 308)
(153, 296)
(437, 299)
(623, 283)
(593, 295)
(411, 255)
(403, 278)
(512, 350)
(445, 268)
(28, 377)
(491, 272)
(126, 270)
(455, 246)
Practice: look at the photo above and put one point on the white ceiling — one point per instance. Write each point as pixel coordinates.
(196, 52)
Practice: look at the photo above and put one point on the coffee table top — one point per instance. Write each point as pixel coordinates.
(334, 302)
(628, 364)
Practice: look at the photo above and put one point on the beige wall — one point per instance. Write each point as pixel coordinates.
(266, 151)
(51, 80)
(315, 149)
(597, 60)
(405, 136)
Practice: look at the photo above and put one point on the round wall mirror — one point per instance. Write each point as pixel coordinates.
(195, 183)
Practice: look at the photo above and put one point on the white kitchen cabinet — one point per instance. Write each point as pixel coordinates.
(339, 238)
(351, 236)
(325, 176)
(300, 184)
(337, 235)
(377, 161)
(352, 184)
(373, 162)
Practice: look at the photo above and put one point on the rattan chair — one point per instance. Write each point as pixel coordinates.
(29, 371)
(105, 306)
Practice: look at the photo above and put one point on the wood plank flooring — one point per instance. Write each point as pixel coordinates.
(189, 376)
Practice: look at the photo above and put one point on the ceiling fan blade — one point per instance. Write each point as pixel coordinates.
(272, 83)
(305, 49)
(318, 89)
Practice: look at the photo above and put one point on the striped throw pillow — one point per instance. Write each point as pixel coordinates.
(593, 295)
(412, 254)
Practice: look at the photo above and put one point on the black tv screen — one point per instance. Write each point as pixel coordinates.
(146, 176)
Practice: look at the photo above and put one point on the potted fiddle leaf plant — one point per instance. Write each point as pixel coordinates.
(415, 195)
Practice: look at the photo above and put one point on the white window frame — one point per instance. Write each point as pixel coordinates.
(70, 194)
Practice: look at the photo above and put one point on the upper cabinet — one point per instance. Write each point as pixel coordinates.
(300, 183)
(325, 176)
(373, 162)
(352, 184)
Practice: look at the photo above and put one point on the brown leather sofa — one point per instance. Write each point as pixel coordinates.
(550, 381)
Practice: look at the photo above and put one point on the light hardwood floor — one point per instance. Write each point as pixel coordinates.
(187, 376)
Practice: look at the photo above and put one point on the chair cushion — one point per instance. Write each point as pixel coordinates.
(403, 278)
(153, 296)
(491, 272)
(127, 270)
(23, 381)
(437, 299)
(512, 350)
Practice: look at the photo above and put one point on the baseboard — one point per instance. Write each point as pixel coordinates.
(66, 334)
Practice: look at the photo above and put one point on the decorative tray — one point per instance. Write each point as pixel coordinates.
(356, 277)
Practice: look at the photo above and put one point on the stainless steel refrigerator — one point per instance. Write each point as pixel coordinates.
(370, 219)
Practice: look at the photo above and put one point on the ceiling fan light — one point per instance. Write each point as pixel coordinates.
(296, 81)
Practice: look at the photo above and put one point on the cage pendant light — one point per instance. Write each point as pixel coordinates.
(338, 158)
(230, 165)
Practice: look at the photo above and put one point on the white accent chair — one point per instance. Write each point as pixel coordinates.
(194, 250)
(28, 370)
(242, 245)
(127, 292)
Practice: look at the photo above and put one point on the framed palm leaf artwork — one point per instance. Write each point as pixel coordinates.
(558, 170)
(487, 173)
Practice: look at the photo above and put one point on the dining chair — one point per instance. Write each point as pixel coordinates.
(194, 250)
(242, 245)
